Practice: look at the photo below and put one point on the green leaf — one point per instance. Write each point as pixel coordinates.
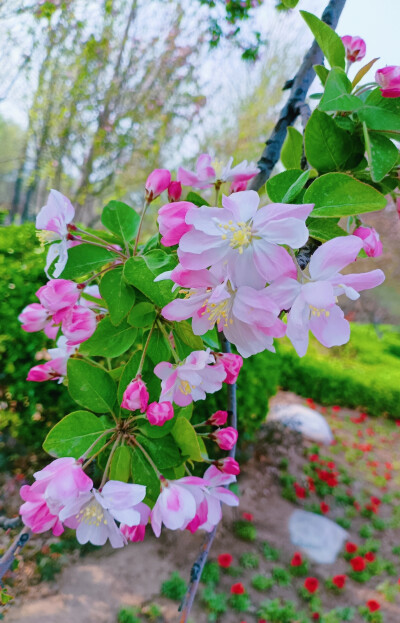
(186, 412)
(285, 186)
(138, 274)
(117, 294)
(109, 340)
(211, 339)
(186, 438)
(382, 154)
(120, 468)
(292, 149)
(361, 72)
(129, 373)
(156, 432)
(144, 474)
(91, 387)
(381, 114)
(75, 433)
(328, 147)
(327, 39)
(324, 229)
(159, 262)
(290, 4)
(84, 259)
(322, 73)
(338, 194)
(337, 93)
(121, 220)
(164, 452)
(185, 333)
(159, 349)
(142, 315)
(196, 199)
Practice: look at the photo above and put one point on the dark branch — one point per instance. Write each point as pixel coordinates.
(299, 88)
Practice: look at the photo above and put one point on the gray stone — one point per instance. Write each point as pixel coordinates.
(319, 537)
(308, 422)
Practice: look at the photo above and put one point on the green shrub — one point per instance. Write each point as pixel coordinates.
(248, 560)
(245, 530)
(262, 583)
(281, 576)
(269, 552)
(128, 615)
(211, 573)
(174, 588)
(214, 602)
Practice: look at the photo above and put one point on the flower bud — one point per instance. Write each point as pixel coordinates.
(135, 396)
(355, 48)
(171, 221)
(174, 191)
(156, 183)
(58, 294)
(232, 364)
(371, 243)
(238, 186)
(225, 437)
(159, 412)
(388, 79)
(218, 418)
(78, 324)
(228, 465)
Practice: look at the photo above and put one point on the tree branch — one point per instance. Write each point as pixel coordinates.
(198, 566)
(298, 91)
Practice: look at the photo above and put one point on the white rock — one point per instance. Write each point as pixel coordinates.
(306, 421)
(319, 537)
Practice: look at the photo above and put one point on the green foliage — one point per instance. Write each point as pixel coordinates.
(118, 295)
(249, 560)
(262, 583)
(216, 603)
(281, 576)
(245, 530)
(211, 573)
(327, 39)
(277, 611)
(128, 615)
(269, 552)
(120, 468)
(240, 603)
(286, 186)
(174, 588)
(121, 220)
(381, 152)
(292, 149)
(138, 274)
(109, 340)
(75, 434)
(85, 258)
(91, 386)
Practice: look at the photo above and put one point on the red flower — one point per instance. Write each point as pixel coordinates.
(324, 507)
(388, 466)
(237, 589)
(358, 563)
(311, 485)
(248, 516)
(375, 501)
(372, 508)
(339, 580)
(310, 402)
(331, 465)
(315, 616)
(369, 556)
(335, 409)
(297, 560)
(311, 585)
(299, 491)
(313, 458)
(351, 548)
(225, 560)
(373, 605)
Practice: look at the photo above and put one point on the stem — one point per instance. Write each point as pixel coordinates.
(217, 189)
(90, 448)
(85, 465)
(113, 449)
(96, 363)
(145, 206)
(165, 334)
(105, 246)
(140, 368)
(94, 276)
(135, 442)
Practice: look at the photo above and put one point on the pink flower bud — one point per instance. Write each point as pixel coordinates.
(34, 317)
(225, 437)
(135, 396)
(218, 418)
(171, 221)
(238, 186)
(58, 294)
(371, 243)
(156, 183)
(355, 48)
(228, 465)
(78, 324)
(232, 364)
(49, 371)
(174, 191)
(388, 79)
(159, 412)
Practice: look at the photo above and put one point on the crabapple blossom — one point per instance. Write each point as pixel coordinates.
(93, 514)
(218, 418)
(209, 172)
(35, 513)
(236, 187)
(159, 412)
(313, 304)
(174, 191)
(58, 295)
(244, 238)
(175, 506)
(388, 79)
(135, 534)
(35, 317)
(371, 243)
(78, 324)
(54, 219)
(65, 480)
(135, 396)
(225, 437)
(55, 369)
(228, 465)
(191, 379)
(171, 221)
(355, 48)
(232, 364)
(156, 183)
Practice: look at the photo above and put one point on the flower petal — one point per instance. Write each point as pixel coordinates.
(334, 255)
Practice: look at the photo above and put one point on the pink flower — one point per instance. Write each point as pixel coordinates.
(135, 534)
(58, 295)
(136, 396)
(191, 379)
(78, 324)
(174, 191)
(54, 218)
(175, 507)
(232, 364)
(247, 317)
(34, 317)
(93, 514)
(228, 466)
(225, 437)
(237, 187)
(49, 371)
(159, 412)
(35, 513)
(313, 304)
(244, 238)
(371, 243)
(171, 221)
(355, 48)
(209, 172)
(156, 183)
(65, 480)
(218, 418)
(388, 79)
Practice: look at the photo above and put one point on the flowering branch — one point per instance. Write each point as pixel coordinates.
(293, 107)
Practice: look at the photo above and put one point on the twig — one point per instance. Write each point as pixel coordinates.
(8, 557)
(8, 523)
(298, 92)
(197, 568)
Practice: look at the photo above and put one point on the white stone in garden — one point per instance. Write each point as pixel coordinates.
(308, 422)
(319, 537)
